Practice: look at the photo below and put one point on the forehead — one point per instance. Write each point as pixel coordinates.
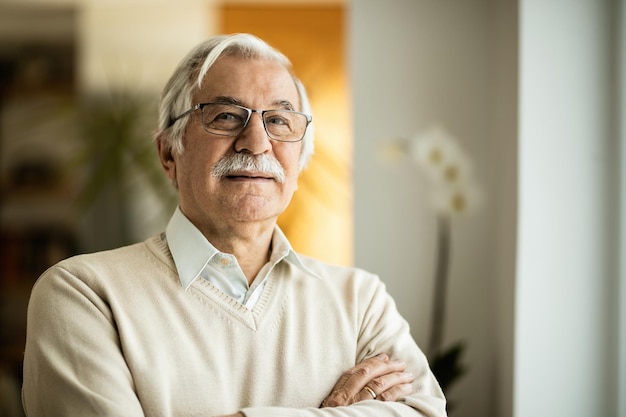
(252, 81)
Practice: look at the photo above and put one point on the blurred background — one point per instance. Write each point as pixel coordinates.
(532, 91)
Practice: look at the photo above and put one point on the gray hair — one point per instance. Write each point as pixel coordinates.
(188, 77)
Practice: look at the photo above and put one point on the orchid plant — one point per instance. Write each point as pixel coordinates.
(454, 192)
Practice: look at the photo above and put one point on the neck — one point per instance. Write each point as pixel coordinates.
(250, 244)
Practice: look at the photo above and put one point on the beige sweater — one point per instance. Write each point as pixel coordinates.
(115, 334)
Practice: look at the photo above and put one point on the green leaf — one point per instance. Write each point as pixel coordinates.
(447, 367)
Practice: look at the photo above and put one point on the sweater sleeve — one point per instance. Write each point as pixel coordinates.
(383, 330)
(73, 362)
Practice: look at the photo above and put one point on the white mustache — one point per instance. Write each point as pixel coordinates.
(263, 164)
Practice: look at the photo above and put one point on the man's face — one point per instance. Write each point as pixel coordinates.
(217, 204)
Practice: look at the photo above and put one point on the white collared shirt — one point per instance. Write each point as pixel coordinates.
(195, 257)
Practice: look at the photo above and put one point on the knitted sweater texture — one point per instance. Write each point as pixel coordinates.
(115, 334)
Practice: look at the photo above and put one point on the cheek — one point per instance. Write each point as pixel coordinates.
(289, 157)
(201, 155)
(293, 174)
(193, 171)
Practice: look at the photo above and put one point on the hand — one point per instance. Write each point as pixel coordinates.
(387, 380)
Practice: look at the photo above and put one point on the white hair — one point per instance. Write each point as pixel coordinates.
(189, 75)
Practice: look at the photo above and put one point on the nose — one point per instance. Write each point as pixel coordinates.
(253, 138)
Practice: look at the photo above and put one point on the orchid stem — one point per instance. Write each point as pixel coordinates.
(440, 285)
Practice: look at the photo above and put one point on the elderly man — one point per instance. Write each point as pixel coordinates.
(218, 315)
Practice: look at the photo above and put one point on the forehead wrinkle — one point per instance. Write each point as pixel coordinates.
(226, 100)
(281, 103)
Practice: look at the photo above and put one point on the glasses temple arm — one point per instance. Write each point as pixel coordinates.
(175, 119)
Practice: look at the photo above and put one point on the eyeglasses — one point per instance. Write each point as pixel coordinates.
(231, 119)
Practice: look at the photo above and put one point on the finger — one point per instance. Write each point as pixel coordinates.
(366, 393)
(355, 378)
(385, 383)
(369, 370)
(396, 392)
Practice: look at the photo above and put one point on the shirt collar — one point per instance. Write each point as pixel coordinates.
(282, 250)
(192, 251)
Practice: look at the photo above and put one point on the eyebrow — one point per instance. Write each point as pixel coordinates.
(284, 104)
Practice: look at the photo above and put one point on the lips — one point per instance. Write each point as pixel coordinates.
(250, 176)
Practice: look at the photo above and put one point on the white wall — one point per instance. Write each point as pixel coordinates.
(621, 101)
(414, 63)
(540, 310)
(504, 76)
(567, 299)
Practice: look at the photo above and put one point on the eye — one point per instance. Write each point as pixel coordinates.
(227, 117)
(278, 119)
(223, 117)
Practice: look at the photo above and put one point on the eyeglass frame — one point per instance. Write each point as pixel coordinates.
(200, 106)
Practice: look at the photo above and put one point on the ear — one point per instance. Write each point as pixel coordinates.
(167, 157)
